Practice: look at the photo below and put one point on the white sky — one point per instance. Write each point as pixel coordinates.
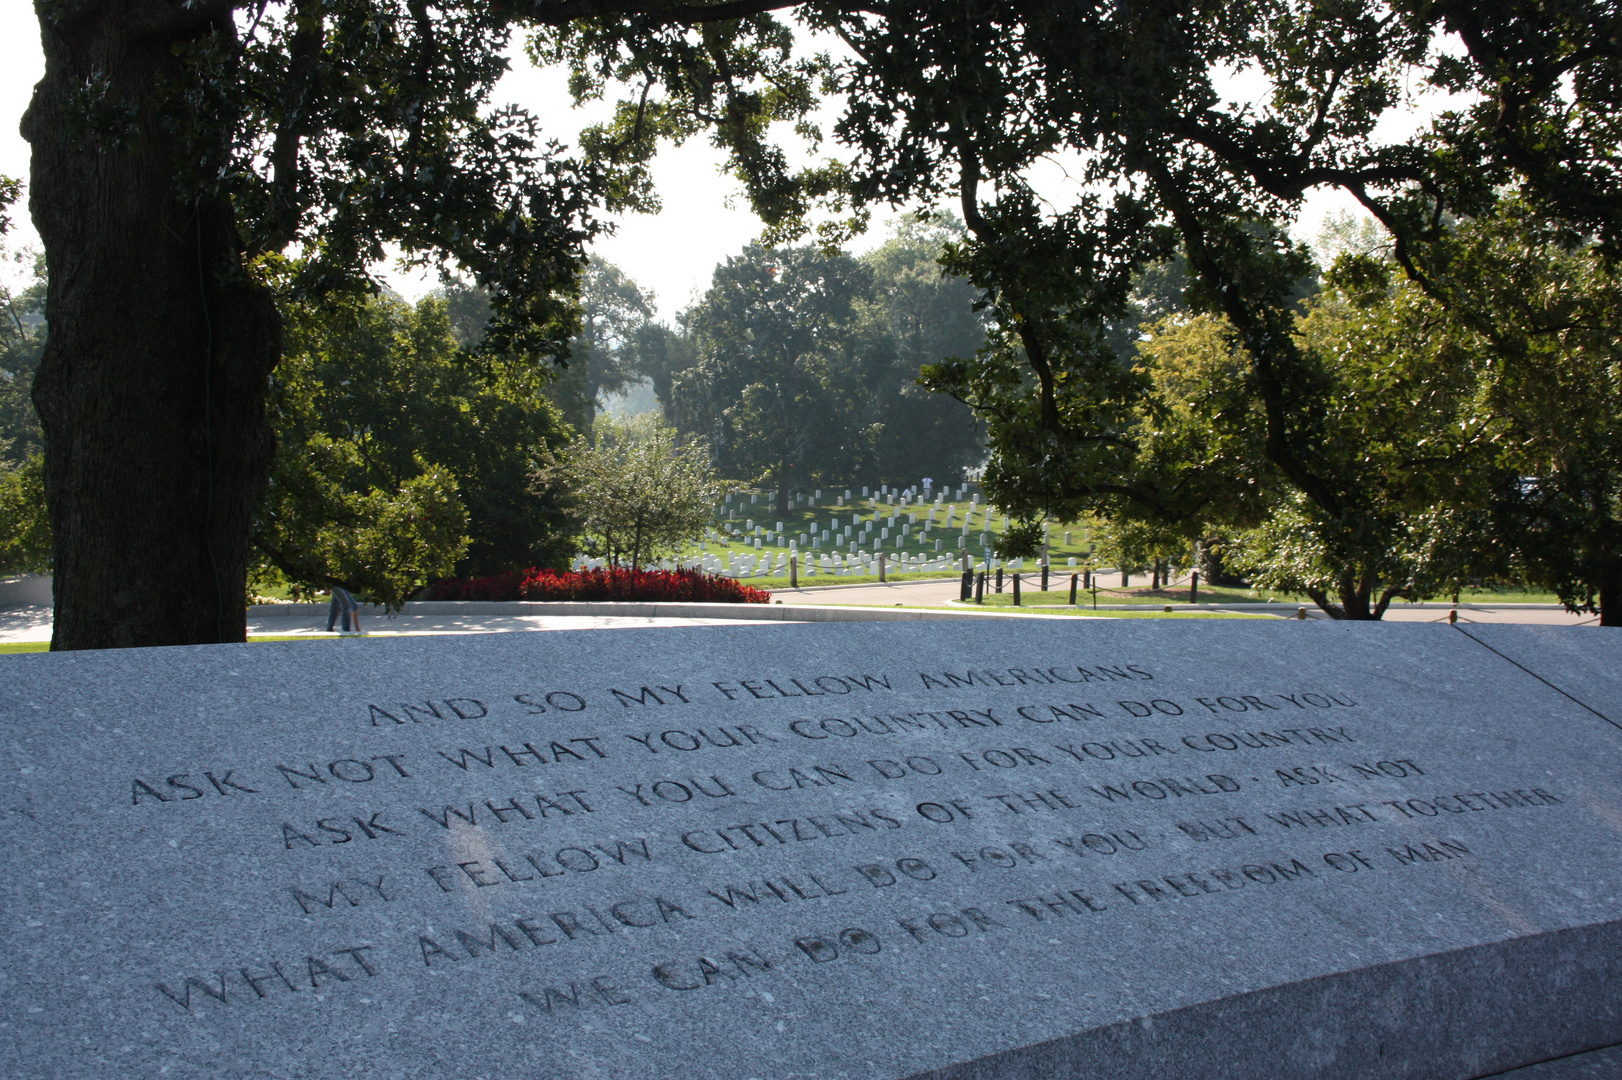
(672, 253)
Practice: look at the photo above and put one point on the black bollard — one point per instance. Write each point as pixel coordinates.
(1016, 590)
(966, 589)
(999, 579)
(1074, 581)
(1044, 577)
(980, 588)
(1194, 588)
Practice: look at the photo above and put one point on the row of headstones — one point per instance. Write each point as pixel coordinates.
(747, 566)
(857, 533)
(857, 564)
(908, 496)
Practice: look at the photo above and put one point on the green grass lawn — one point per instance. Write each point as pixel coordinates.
(1502, 595)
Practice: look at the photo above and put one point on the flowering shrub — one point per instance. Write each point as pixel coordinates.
(662, 586)
(677, 586)
(506, 586)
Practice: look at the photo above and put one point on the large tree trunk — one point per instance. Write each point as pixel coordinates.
(151, 390)
(1354, 602)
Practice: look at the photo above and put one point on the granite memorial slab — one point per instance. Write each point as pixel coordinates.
(1582, 667)
(950, 849)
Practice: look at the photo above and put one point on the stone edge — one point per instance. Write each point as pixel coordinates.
(1457, 1015)
(742, 612)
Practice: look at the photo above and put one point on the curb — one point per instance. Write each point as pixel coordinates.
(804, 588)
(1290, 607)
(740, 612)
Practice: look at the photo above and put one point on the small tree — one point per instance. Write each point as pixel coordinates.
(1021, 540)
(25, 530)
(401, 459)
(777, 383)
(1393, 424)
(25, 534)
(635, 493)
(1130, 544)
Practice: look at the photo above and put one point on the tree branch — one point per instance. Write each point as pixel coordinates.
(1399, 249)
(1036, 353)
(1275, 177)
(1328, 607)
(1320, 123)
(1258, 339)
(1390, 593)
(304, 49)
(559, 12)
(159, 18)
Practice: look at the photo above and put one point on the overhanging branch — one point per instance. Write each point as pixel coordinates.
(558, 12)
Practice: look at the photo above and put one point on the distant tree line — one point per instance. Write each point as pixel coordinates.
(800, 367)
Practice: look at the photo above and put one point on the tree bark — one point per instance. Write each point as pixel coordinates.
(1610, 601)
(151, 390)
(784, 478)
(1354, 600)
(1354, 604)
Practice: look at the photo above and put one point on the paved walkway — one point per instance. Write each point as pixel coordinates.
(945, 592)
(910, 593)
(406, 625)
(310, 620)
(34, 624)
(26, 624)
(1541, 614)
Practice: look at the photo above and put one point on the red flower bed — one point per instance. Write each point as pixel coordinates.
(661, 586)
(508, 586)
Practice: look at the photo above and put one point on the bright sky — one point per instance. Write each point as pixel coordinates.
(672, 253)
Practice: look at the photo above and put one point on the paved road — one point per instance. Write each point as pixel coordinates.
(907, 593)
(20, 624)
(34, 624)
(931, 593)
(25, 624)
(1509, 613)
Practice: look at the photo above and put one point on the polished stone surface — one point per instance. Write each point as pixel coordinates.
(986, 848)
(1581, 667)
(1601, 1064)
